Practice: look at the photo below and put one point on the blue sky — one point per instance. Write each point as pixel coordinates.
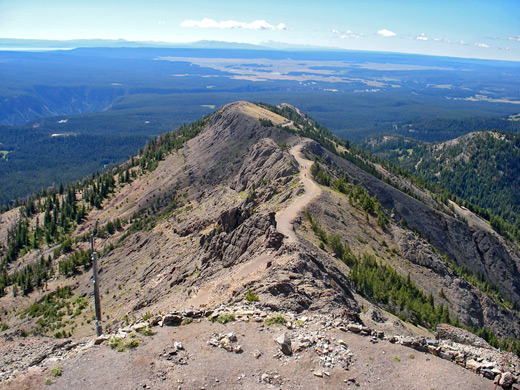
(462, 28)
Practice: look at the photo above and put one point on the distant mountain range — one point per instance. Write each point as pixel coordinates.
(40, 44)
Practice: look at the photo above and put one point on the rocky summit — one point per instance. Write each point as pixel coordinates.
(253, 249)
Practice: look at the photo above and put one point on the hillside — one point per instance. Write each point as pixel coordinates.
(443, 129)
(257, 213)
(481, 168)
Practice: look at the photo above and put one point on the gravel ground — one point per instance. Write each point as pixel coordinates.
(154, 364)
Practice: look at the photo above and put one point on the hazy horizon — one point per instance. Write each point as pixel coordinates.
(469, 29)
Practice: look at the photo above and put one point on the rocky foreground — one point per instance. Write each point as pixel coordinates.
(249, 346)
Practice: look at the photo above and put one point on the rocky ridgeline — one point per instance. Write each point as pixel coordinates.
(304, 332)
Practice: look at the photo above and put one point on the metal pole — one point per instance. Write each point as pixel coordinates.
(97, 301)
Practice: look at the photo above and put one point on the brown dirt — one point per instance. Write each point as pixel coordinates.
(218, 290)
(374, 366)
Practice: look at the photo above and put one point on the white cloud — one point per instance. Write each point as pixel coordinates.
(422, 37)
(385, 33)
(481, 45)
(347, 35)
(161, 22)
(255, 25)
(515, 38)
(444, 40)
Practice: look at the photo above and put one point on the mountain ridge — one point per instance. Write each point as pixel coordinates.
(480, 167)
(192, 220)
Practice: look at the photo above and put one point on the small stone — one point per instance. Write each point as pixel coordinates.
(284, 342)
(341, 342)
(406, 341)
(296, 346)
(225, 343)
(488, 374)
(101, 339)
(257, 354)
(140, 326)
(231, 336)
(178, 345)
(473, 365)
(155, 320)
(319, 374)
(506, 379)
(446, 356)
(356, 328)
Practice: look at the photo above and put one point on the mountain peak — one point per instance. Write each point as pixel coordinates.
(234, 209)
(254, 111)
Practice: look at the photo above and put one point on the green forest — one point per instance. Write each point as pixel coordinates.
(480, 171)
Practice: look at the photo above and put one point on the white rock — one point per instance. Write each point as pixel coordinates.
(473, 365)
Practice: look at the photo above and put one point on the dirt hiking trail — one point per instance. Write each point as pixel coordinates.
(285, 218)
(216, 290)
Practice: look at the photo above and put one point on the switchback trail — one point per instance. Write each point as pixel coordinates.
(285, 218)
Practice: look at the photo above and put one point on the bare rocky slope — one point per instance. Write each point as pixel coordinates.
(470, 246)
(201, 238)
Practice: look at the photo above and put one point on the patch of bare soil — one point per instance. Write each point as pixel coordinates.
(157, 364)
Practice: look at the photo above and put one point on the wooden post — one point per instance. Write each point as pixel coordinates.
(97, 301)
